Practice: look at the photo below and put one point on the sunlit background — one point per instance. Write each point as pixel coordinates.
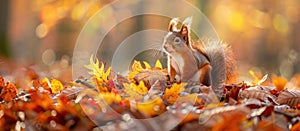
(264, 34)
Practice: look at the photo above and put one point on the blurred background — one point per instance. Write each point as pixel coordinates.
(264, 34)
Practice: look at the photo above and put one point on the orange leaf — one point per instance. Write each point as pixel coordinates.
(296, 127)
(9, 92)
(279, 82)
(235, 119)
(172, 94)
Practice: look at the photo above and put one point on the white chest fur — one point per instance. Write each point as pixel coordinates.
(178, 61)
(186, 67)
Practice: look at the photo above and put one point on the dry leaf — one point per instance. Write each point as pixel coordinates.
(291, 98)
(150, 76)
(219, 117)
(233, 93)
(257, 94)
(294, 83)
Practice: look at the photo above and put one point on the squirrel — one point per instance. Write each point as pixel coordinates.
(206, 62)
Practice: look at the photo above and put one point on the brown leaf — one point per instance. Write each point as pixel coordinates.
(258, 94)
(291, 98)
(253, 103)
(222, 115)
(150, 76)
(233, 93)
(70, 93)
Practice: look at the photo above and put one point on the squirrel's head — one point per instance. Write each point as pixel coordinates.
(177, 41)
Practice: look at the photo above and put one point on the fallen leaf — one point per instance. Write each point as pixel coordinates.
(98, 72)
(56, 86)
(135, 92)
(291, 98)
(172, 94)
(9, 92)
(158, 64)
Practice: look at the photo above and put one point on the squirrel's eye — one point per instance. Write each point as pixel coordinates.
(177, 40)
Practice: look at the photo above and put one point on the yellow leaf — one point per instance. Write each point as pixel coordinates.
(147, 65)
(258, 79)
(111, 97)
(45, 83)
(190, 98)
(137, 66)
(172, 94)
(262, 80)
(134, 91)
(107, 73)
(56, 86)
(99, 73)
(151, 107)
(158, 64)
(45, 80)
(131, 75)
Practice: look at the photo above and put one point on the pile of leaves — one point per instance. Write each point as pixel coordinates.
(145, 99)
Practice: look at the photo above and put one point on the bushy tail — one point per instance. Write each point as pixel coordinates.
(222, 62)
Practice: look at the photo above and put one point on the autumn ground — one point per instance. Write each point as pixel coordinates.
(109, 101)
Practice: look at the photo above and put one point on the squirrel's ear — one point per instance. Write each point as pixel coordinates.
(173, 24)
(185, 29)
(185, 32)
